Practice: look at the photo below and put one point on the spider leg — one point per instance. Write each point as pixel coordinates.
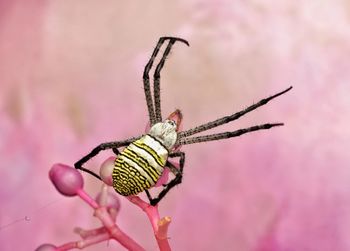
(146, 85)
(104, 146)
(156, 77)
(148, 195)
(177, 180)
(115, 150)
(226, 135)
(229, 118)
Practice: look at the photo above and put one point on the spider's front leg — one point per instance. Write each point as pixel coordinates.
(177, 180)
(104, 146)
(154, 110)
(156, 76)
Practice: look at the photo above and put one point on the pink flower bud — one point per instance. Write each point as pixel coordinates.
(163, 179)
(106, 170)
(165, 175)
(46, 247)
(66, 179)
(109, 200)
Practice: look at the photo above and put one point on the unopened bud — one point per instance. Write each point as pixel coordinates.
(46, 247)
(66, 179)
(109, 200)
(106, 171)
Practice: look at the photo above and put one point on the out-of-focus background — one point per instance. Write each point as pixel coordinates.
(71, 78)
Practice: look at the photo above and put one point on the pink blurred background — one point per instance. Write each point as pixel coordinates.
(71, 78)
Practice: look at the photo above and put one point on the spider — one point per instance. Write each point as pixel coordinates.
(141, 163)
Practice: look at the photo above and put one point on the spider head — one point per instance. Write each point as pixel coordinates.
(166, 131)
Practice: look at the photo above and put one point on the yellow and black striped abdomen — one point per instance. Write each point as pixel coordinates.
(139, 166)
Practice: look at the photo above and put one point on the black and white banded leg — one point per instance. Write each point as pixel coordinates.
(154, 110)
(227, 119)
(226, 135)
(104, 146)
(184, 139)
(175, 181)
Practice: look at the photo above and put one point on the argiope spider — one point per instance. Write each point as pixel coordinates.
(141, 163)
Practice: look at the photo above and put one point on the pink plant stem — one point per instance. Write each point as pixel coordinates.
(85, 197)
(160, 226)
(84, 243)
(151, 211)
(87, 233)
(114, 231)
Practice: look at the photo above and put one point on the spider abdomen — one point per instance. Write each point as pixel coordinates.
(139, 166)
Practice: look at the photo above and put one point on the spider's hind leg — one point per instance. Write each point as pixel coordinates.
(177, 180)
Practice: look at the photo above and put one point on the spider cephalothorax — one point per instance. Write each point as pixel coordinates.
(141, 163)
